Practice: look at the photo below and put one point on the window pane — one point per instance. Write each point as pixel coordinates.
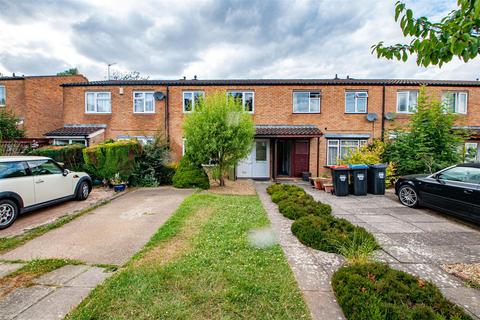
(350, 102)
(138, 94)
(361, 104)
(2, 95)
(471, 152)
(12, 170)
(412, 101)
(448, 99)
(261, 151)
(139, 105)
(187, 101)
(248, 97)
(332, 155)
(300, 101)
(314, 101)
(149, 102)
(103, 105)
(44, 167)
(90, 102)
(402, 102)
(462, 102)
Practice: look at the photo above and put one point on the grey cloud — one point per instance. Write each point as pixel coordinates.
(32, 63)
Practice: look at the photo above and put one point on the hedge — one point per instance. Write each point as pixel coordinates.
(70, 155)
(106, 159)
(190, 176)
(375, 291)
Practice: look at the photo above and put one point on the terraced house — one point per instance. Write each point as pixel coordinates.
(301, 124)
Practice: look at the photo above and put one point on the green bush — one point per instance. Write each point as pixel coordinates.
(274, 188)
(190, 176)
(296, 207)
(327, 233)
(70, 155)
(153, 165)
(375, 291)
(106, 159)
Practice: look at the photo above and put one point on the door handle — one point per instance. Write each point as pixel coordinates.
(468, 191)
(39, 181)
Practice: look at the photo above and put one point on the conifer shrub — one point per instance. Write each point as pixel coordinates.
(70, 155)
(189, 175)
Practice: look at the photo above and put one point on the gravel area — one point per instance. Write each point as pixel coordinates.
(238, 187)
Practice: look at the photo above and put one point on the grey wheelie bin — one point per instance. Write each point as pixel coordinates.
(376, 178)
(340, 180)
(359, 179)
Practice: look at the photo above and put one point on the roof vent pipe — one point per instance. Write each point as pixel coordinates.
(336, 77)
(348, 77)
(13, 74)
(195, 77)
(184, 78)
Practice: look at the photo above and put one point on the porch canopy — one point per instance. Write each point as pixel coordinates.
(76, 132)
(287, 131)
(474, 131)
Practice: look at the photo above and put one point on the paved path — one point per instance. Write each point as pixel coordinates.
(40, 217)
(110, 234)
(52, 295)
(312, 268)
(417, 241)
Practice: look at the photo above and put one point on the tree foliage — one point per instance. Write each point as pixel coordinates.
(428, 143)
(132, 75)
(9, 126)
(435, 43)
(68, 72)
(219, 132)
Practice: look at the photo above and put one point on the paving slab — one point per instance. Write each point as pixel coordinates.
(89, 278)
(8, 268)
(323, 305)
(468, 298)
(110, 234)
(21, 299)
(62, 275)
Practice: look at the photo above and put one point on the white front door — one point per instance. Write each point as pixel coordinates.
(257, 163)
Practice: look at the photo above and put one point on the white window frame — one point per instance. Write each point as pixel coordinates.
(408, 101)
(474, 145)
(193, 99)
(243, 92)
(360, 143)
(70, 141)
(95, 94)
(144, 102)
(4, 96)
(309, 101)
(356, 101)
(456, 99)
(184, 141)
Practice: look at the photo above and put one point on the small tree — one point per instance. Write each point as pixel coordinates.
(132, 75)
(219, 132)
(9, 126)
(428, 142)
(68, 72)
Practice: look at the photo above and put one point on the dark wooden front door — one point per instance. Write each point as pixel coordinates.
(300, 157)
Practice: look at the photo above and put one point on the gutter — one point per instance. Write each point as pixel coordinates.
(383, 114)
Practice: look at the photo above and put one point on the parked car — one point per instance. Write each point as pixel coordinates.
(29, 183)
(454, 190)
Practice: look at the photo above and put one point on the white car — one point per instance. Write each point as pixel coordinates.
(28, 183)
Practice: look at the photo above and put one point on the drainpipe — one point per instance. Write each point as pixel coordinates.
(167, 129)
(318, 156)
(383, 114)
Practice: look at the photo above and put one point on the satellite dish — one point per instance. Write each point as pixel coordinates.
(390, 115)
(372, 117)
(159, 95)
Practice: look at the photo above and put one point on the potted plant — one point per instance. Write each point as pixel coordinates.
(118, 183)
(323, 180)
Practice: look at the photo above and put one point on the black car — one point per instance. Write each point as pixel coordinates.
(454, 190)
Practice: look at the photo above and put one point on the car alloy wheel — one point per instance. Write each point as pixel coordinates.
(7, 214)
(408, 196)
(85, 191)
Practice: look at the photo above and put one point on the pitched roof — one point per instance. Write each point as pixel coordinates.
(74, 131)
(272, 82)
(287, 131)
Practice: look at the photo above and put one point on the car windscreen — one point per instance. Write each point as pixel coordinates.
(12, 170)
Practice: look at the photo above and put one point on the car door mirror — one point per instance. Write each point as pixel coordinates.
(65, 172)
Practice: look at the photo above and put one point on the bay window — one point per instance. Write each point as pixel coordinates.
(98, 102)
(306, 102)
(339, 149)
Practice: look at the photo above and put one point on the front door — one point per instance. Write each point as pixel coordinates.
(300, 157)
(257, 163)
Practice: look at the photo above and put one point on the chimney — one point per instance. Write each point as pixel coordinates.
(13, 74)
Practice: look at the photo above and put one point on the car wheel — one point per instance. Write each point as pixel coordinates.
(83, 191)
(8, 213)
(408, 196)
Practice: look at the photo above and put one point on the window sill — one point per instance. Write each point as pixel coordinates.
(356, 112)
(98, 113)
(144, 113)
(306, 112)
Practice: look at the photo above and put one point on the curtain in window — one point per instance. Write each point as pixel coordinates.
(90, 102)
(462, 102)
(149, 102)
(350, 102)
(301, 101)
(412, 101)
(314, 101)
(138, 102)
(103, 102)
(332, 152)
(402, 102)
(2, 95)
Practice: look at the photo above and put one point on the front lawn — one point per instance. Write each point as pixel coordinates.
(200, 265)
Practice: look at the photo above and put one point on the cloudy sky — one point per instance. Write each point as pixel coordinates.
(212, 38)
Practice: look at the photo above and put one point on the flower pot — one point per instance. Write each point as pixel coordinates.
(318, 184)
(328, 187)
(119, 187)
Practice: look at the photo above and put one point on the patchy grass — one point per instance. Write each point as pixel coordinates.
(376, 291)
(32, 269)
(10, 243)
(200, 265)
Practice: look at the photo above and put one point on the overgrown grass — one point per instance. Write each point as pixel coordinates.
(10, 243)
(216, 273)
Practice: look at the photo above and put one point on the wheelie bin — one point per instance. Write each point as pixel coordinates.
(340, 180)
(376, 178)
(359, 179)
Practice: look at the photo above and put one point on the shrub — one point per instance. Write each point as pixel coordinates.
(106, 159)
(296, 207)
(375, 291)
(70, 155)
(8, 126)
(327, 232)
(153, 166)
(190, 176)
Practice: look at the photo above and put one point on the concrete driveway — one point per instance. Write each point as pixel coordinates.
(40, 217)
(110, 234)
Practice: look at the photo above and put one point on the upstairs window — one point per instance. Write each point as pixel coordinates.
(356, 101)
(455, 101)
(143, 102)
(245, 97)
(407, 101)
(306, 102)
(190, 99)
(98, 102)
(2, 96)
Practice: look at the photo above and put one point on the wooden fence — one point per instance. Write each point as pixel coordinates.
(21, 146)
